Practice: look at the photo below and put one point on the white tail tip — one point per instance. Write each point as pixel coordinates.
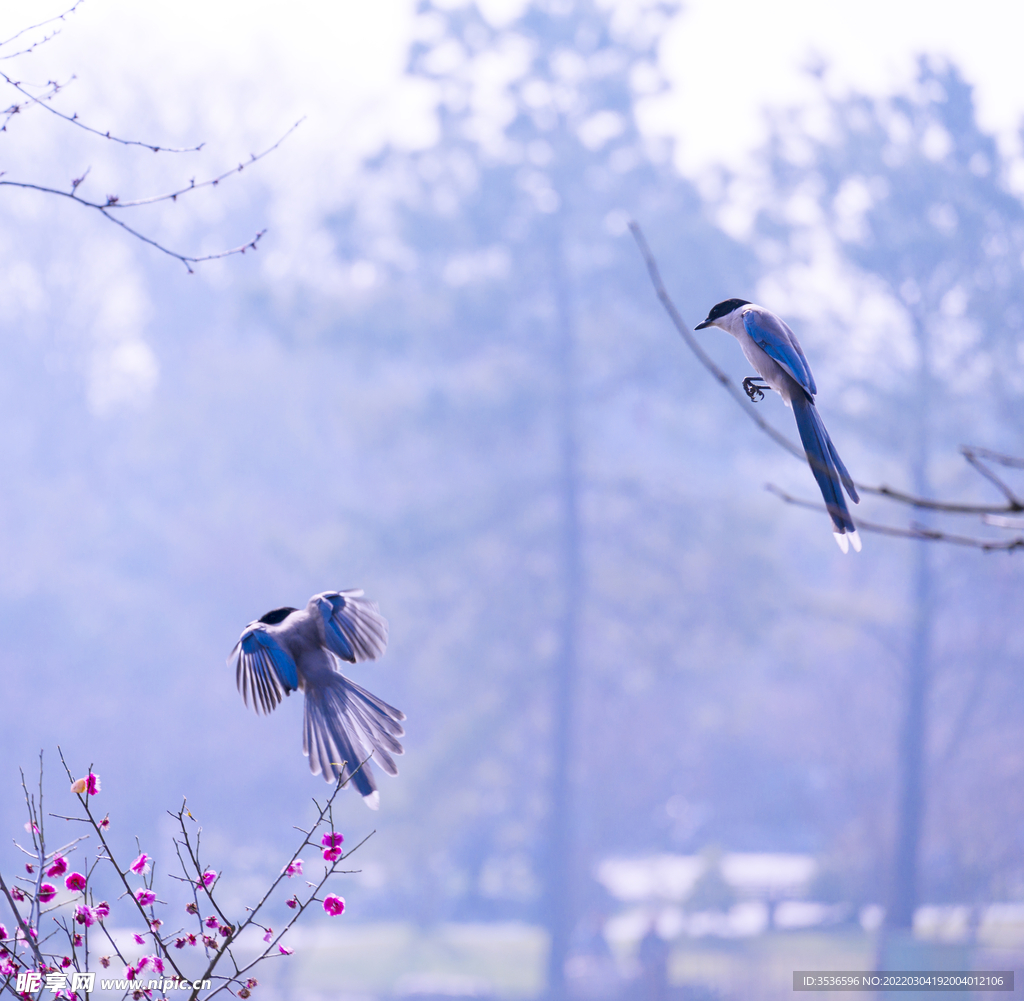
(854, 540)
(373, 800)
(842, 541)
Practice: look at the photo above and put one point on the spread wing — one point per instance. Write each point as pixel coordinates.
(263, 667)
(354, 627)
(779, 342)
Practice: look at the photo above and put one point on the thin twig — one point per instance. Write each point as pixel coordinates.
(914, 532)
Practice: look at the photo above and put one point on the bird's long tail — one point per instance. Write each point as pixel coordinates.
(828, 470)
(343, 727)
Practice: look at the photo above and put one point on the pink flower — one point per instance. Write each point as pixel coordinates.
(76, 881)
(47, 892)
(144, 896)
(293, 868)
(155, 924)
(3, 932)
(102, 910)
(65, 962)
(208, 879)
(179, 943)
(269, 935)
(334, 905)
(7, 968)
(293, 903)
(90, 785)
(139, 940)
(209, 941)
(59, 866)
(225, 930)
(129, 972)
(104, 824)
(141, 964)
(30, 869)
(332, 843)
(84, 915)
(284, 950)
(212, 922)
(191, 939)
(78, 940)
(158, 963)
(32, 827)
(17, 894)
(141, 865)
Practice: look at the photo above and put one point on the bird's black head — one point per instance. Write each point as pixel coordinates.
(722, 309)
(277, 615)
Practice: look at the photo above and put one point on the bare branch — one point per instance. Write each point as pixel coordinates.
(53, 88)
(40, 24)
(915, 531)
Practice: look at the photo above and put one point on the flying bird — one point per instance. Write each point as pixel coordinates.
(344, 725)
(772, 348)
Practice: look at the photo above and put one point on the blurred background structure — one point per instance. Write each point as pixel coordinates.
(663, 739)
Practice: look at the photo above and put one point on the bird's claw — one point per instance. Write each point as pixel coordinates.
(754, 391)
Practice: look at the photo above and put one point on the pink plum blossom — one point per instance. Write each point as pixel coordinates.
(16, 892)
(7, 968)
(334, 905)
(155, 924)
(209, 941)
(32, 827)
(332, 846)
(293, 903)
(3, 932)
(58, 867)
(144, 896)
(284, 950)
(139, 940)
(85, 915)
(76, 881)
(293, 868)
(104, 824)
(89, 785)
(47, 892)
(208, 879)
(101, 910)
(269, 935)
(65, 962)
(141, 865)
(30, 869)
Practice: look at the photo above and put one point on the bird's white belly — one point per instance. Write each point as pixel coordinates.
(767, 367)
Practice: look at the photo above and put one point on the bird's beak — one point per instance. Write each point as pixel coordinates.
(701, 326)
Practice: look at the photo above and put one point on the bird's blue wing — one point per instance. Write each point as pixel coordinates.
(263, 667)
(354, 628)
(770, 334)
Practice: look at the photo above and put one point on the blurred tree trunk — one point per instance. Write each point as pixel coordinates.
(560, 869)
(903, 888)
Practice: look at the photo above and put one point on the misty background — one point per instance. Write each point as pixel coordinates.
(444, 377)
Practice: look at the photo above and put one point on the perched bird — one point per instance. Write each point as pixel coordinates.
(772, 348)
(344, 725)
